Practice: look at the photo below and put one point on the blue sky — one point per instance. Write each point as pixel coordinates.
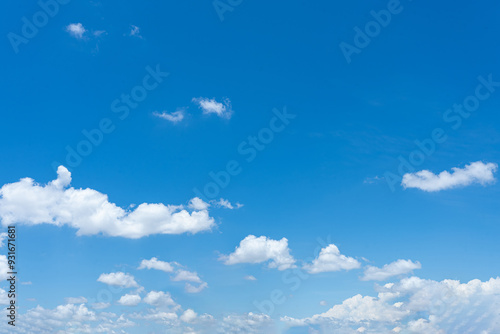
(308, 143)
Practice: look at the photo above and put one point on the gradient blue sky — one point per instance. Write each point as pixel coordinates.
(321, 177)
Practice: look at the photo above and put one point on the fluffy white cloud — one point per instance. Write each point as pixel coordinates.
(198, 204)
(76, 30)
(154, 263)
(118, 279)
(395, 268)
(330, 259)
(76, 300)
(250, 278)
(188, 316)
(211, 106)
(90, 212)
(476, 172)
(159, 299)
(416, 305)
(129, 300)
(254, 249)
(185, 275)
(174, 117)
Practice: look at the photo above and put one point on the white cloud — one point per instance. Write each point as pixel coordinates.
(188, 316)
(174, 117)
(89, 211)
(160, 299)
(185, 275)
(395, 268)
(224, 203)
(195, 289)
(211, 106)
(129, 300)
(198, 204)
(3, 237)
(416, 305)
(76, 300)
(76, 30)
(476, 172)
(261, 249)
(330, 259)
(4, 267)
(135, 31)
(323, 303)
(247, 323)
(118, 279)
(154, 263)
(250, 278)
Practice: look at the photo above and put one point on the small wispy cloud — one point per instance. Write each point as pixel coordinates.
(99, 33)
(76, 30)
(250, 278)
(476, 172)
(211, 106)
(174, 117)
(135, 31)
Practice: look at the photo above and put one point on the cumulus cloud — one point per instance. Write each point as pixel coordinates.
(211, 106)
(416, 305)
(174, 117)
(160, 299)
(129, 300)
(395, 268)
(330, 259)
(154, 263)
(76, 30)
(118, 279)
(254, 249)
(90, 212)
(185, 275)
(198, 204)
(476, 172)
(188, 316)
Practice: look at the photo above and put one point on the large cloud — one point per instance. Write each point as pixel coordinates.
(476, 172)
(261, 249)
(330, 259)
(90, 212)
(416, 305)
